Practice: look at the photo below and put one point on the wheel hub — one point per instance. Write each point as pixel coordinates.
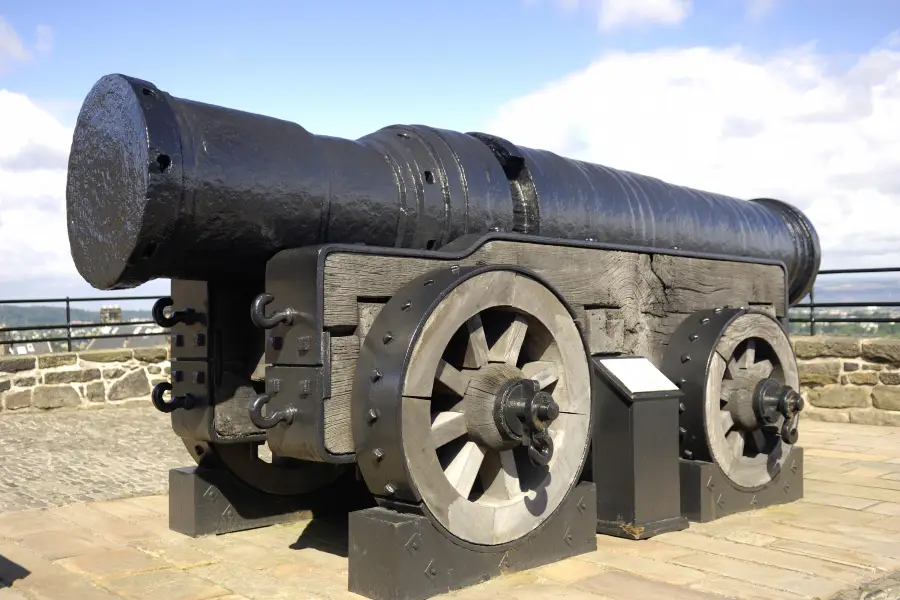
(523, 413)
(773, 401)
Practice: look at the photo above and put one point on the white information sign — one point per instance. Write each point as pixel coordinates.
(638, 375)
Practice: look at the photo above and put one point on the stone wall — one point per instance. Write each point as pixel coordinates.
(850, 380)
(845, 380)
(92, 379)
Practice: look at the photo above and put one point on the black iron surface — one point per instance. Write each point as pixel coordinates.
(209, 500)
(295, 282)
(215, 351)
(380, 372)
(686, 362)
(397, 556)
(635, 460)
(160, 186)
(707, 494)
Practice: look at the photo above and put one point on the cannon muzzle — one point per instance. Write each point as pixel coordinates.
(159, 186)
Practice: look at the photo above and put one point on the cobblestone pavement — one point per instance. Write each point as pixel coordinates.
(841, 541)
(52, 459)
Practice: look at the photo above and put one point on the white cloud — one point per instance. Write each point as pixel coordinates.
(614, 14)
(34, 148)
(759, 9)
(792, 126)
(12, 50)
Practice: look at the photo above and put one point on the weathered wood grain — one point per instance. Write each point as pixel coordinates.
(626, 303)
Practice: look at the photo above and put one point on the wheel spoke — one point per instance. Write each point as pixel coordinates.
(732, 372)
(543, 371)
(453, 379)
(476, 347)
(749, 356)
(735, 441)
(759, 440)
(727, 420)
(446, 427)
(764, 368)
(500, 476)
(463, 470)
(508, 346)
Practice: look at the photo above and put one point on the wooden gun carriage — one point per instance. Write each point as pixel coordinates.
(425, 308)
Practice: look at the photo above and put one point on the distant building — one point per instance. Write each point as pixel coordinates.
(110, 314)
(26, 348)
(141, 336)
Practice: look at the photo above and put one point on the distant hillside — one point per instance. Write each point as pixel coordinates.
(23, 316)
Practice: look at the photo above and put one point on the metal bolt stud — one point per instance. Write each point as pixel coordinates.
(372, 415)
(378, 453)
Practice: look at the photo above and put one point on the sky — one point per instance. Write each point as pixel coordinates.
(793, 99)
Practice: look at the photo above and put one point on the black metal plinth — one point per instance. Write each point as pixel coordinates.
(401, 556)
(211, 501)
(707, 495)
(635, 458)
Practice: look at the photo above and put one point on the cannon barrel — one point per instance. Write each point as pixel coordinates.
(160, 186)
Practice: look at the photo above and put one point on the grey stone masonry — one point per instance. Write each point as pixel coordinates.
(91, 379)
(844, 380)
(850, 380)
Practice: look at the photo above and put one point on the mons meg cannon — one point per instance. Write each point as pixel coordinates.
(502, 344)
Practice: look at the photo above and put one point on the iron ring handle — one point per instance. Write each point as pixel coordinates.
(540, 451)
(179, 316)
(258, 313)
(156, 396)
(268, 422)
(790, 429)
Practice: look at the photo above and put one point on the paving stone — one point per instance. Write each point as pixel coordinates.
(26, 523)
(842, 501)
(645, 567)
(625, 586)
(543, 590)
(569, 570)
(64, 586)
(848, 456)
(834, 540)
(741, 590)
(85, 455)
(888, 523)
(844, 533)
(177, 553)
(170, 584)
(770, 557)
(890, 509)
(646, 548)
(770, 577)
(852, 558)
(247, 582)
(112, 563)
(104, 525)
(54, 545)
(854, 491)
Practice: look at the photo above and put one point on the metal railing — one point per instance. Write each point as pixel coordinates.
(69, 326)
(812, 319)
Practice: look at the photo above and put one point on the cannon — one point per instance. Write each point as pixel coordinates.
(429, 308)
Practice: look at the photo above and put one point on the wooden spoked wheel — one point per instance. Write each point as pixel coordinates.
(492, 329)
(753, 347)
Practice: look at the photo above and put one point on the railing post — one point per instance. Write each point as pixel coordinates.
(812, 311)
(68, 325)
